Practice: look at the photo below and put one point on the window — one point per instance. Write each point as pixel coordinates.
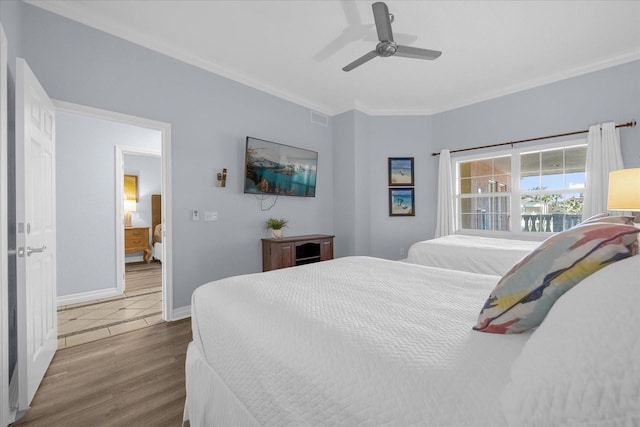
(482, 207)
(522, 190)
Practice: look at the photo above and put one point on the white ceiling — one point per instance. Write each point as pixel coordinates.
(296, 49)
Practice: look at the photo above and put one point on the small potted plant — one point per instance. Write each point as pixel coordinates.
(276, 225)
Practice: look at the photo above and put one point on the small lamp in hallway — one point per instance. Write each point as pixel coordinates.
(129, 206)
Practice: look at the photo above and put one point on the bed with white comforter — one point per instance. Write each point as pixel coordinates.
(157, 242)
(353, 341)
(477, 254)
(366, 341)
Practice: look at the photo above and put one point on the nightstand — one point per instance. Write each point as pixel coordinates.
(136, 239)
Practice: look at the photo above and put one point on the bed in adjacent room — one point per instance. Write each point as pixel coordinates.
(368, 341)
(478, 254)
(156, 226)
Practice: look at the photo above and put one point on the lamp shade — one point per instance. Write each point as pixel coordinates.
(129, 205)
(624, 190)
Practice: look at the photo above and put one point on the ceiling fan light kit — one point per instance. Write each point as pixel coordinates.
(386, 46)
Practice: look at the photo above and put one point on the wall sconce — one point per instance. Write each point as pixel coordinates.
(129, 206)
(624, 191)
(222, 178)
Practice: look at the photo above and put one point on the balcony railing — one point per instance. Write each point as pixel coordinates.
(549, 223)
(531, 223)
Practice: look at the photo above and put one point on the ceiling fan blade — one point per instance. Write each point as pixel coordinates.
(399, 38)
(383, 21)
(416, 52)
(364, 58)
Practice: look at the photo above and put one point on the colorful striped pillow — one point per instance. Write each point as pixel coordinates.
(524, 296)
(605, 217)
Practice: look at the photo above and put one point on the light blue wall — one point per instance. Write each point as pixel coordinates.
(399, 136)
(86, 197)
(210, 118)
(362, 184)
(362, 146)
(352, 183)
(344, 191)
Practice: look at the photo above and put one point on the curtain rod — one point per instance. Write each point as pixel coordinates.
(625, 125)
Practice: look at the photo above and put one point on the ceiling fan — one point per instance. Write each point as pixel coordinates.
(386, 46)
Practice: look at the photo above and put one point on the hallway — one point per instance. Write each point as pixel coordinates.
(140, 306)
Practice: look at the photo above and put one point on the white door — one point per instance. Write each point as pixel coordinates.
(36, 232)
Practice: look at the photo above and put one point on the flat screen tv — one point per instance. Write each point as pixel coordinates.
(278, 169)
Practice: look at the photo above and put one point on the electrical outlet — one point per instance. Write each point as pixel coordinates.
(402, 252)
(195, 215)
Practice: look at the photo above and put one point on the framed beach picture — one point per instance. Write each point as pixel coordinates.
(400, 171)
(402, 202)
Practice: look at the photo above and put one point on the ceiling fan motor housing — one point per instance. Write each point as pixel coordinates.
(385, 49)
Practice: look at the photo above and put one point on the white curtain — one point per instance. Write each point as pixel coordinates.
(445, 218)
(603, 156)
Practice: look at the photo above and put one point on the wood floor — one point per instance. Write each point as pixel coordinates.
(133, 379)
(139, 307)
(142, 276)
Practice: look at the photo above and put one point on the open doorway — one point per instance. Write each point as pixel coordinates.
(97, 149)
(138, 174)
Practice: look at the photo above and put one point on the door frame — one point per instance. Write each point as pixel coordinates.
(4, 239)
(165, 132)
(119, 168)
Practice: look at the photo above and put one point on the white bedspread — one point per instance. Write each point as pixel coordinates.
(477, 254)
(352, 341)
(157, 251)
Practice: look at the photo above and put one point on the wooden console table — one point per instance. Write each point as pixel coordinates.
(296, 250)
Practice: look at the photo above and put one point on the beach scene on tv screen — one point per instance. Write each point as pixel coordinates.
(273, 168)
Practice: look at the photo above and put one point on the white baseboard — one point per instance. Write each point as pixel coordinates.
(181, 313)
(87, 296)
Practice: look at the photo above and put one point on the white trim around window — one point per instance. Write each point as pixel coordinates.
(514, 191)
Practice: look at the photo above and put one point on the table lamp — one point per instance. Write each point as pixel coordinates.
(624, 191)
(129, 206)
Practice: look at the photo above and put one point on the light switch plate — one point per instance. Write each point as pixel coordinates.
(195, 215)
(210, 216)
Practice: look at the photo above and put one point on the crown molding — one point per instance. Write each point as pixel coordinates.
(551, 78)
(75, 12)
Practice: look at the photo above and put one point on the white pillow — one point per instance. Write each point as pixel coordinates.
(581, 367)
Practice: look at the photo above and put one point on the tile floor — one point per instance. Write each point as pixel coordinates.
(90, 321)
